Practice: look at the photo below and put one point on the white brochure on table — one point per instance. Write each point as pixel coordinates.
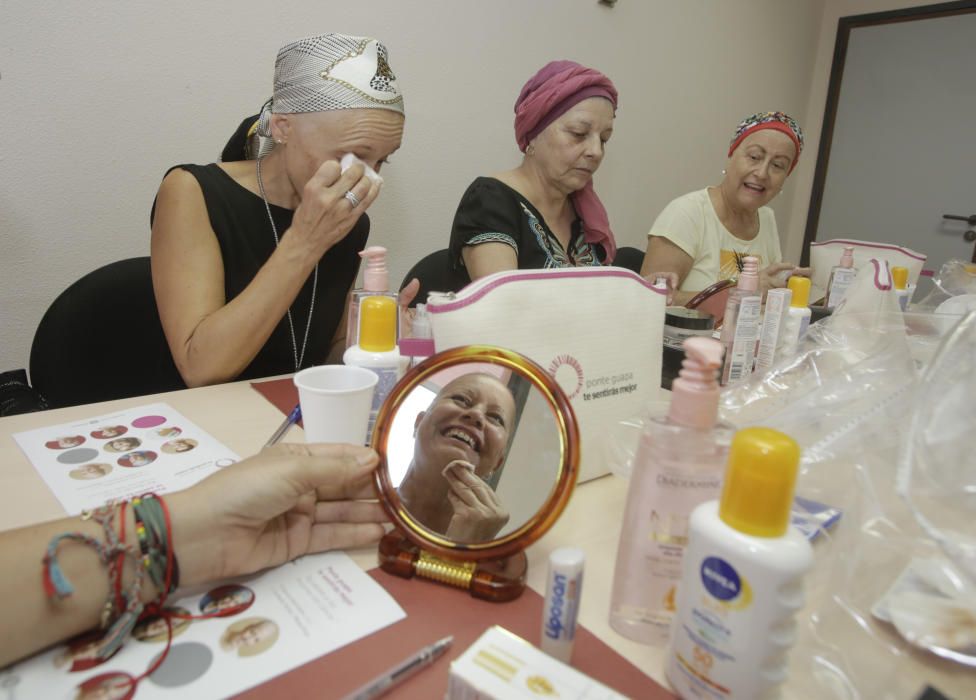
(127, 453)
(267, 625)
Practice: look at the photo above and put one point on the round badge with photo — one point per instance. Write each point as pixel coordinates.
(122, 444)
(168, 432)
(107, 432)
(175, 447)
(88, 472)
(154, 629)
(227, 600)
(250, 636)
(65, 442)
(139, 458)
(81, 653)
(113, 685)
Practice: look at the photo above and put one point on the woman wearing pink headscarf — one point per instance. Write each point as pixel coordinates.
(544, 213)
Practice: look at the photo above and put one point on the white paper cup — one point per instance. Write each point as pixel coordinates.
(335, 401)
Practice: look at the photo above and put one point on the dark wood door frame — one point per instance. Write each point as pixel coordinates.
(844, 27)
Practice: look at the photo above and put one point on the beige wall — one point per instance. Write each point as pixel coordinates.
(100, 97)
(802, 180)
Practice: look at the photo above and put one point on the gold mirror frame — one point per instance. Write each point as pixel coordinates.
(456, 563)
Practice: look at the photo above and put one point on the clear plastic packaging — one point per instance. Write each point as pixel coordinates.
(882, 404)
(953, 290)
(894, 609)
(955, 278)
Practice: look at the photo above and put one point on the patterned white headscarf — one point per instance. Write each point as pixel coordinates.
(328, 72)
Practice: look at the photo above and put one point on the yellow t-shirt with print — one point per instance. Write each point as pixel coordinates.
(690, 222)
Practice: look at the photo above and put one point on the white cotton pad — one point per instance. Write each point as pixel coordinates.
(462, 463)
(350, 159)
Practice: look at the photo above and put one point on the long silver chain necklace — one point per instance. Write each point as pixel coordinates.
(299, 359)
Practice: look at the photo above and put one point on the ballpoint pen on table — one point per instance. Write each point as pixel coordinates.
(293, 417)
(403, 670)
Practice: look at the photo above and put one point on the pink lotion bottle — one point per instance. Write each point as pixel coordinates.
(376, 282)
(841, 278)
(679, 464)
(740, 325)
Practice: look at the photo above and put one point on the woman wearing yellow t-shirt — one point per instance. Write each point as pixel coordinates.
(702, 236)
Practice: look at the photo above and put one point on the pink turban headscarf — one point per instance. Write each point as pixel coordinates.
(557, 87)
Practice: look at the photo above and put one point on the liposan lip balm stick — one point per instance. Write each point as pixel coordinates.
(564, 587)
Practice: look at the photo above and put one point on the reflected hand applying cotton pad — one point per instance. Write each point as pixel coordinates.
(351, 159)
(457, 463)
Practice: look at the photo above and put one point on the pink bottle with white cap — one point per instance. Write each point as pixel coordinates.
(841, 278)
(740, 325)
(679, 464)
(376, 282)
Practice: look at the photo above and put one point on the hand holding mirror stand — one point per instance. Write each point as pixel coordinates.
(528, 424)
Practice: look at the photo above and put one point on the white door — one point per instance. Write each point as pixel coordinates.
(904, 144)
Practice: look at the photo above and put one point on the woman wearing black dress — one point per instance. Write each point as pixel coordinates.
(253, 260)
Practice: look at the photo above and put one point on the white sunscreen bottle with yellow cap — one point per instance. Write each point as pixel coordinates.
(742, 581)
(376, 349)
(899, 275)
(797, 317)
(564, 586)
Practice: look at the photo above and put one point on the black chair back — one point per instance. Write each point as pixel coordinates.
(436, 274)
(101, 339)
(630, 258)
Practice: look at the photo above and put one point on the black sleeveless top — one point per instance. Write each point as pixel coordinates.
(239, 219)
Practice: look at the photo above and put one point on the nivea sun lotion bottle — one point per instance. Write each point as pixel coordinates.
(376, 349)
(740, 325)
(564, 587)
(679, 464)
(841, 278)
(376, 282)
(743, 577)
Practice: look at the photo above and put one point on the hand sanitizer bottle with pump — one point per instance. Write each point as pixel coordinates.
(742, 580)
(740, 325)
(679, 464)
(841, 278)
(376, 282)
(376, 349)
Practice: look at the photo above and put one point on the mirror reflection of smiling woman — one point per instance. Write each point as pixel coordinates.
(461, 440)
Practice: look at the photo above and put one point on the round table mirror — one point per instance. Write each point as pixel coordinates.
(479, 453)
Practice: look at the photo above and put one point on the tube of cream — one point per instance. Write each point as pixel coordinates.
(564, 586)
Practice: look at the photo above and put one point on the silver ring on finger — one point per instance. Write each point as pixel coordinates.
(353, 199)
